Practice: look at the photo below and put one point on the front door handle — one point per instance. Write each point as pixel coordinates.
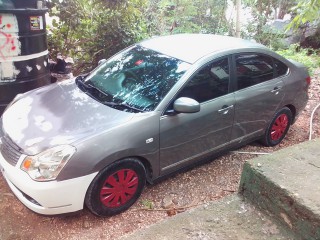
(276, 89)
(225, 109)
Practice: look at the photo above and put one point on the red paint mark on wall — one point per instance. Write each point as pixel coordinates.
(7, 42)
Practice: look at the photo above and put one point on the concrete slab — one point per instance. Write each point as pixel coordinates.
(287, 185)
(229, 218)
(284, 185)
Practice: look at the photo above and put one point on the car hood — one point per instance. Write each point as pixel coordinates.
(58, 114)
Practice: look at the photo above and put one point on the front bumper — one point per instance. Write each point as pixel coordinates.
(48, 198)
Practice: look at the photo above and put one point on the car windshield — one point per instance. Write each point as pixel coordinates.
(134, 80)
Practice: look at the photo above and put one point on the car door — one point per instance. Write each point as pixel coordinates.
(186, 136)
(259, 94)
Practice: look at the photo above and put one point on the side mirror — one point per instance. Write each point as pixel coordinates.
(186, 105)
(102, 61)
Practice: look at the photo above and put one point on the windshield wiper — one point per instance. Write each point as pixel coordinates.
(90, 89)
(82, 84)
(124, 105)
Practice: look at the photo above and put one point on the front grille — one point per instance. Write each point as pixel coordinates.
(9, 150)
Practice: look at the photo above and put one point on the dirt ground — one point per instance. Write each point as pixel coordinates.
(185, 190)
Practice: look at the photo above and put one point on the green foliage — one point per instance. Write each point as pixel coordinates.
(147, 203)
(306, 11)
(269, 37)
(89, 30)
(308, 57)
(262, 12)
(274, 41)
(185, 16)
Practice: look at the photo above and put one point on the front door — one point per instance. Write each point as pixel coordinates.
(186, 136)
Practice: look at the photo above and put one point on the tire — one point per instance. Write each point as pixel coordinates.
(116, 187)
(277, 128)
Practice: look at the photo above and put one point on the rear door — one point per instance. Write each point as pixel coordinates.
(258, 94)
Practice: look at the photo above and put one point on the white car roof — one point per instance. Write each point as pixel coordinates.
(191, 47)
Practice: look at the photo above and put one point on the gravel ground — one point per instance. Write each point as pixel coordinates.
(183, 191)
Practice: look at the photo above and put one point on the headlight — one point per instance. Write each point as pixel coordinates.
(46, 165)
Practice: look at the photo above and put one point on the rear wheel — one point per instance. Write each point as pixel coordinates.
(278, 128)
(116, 187)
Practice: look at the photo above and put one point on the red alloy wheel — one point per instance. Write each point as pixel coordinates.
(279, 127)
(119, 188)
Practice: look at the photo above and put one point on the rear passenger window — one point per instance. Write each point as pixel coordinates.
(281, 68)
(253, 69)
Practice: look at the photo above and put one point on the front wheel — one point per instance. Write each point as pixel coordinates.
(277, 128)
(116, 187)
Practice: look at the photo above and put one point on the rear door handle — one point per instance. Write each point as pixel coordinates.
(225, 109)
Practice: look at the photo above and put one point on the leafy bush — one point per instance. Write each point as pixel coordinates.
(309, 57)
(90, 30)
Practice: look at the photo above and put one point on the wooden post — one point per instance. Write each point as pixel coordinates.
(238, 22)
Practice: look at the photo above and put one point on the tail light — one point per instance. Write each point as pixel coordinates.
(308, 80)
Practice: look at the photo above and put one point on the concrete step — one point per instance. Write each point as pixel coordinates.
(228, 219)
(280, 199)
(286, 184)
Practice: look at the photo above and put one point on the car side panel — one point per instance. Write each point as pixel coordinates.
(184, 137)
(255, 107)
(296, 88)
(137, 138)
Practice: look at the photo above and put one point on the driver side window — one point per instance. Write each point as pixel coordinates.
(210, 82)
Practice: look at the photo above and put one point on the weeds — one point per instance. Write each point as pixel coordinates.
(147, 203)
(309, 57)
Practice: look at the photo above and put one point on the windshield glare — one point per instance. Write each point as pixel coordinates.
(137, 77)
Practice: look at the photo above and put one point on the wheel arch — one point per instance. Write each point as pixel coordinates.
(147, 166)
(293, 111)
(145, 162)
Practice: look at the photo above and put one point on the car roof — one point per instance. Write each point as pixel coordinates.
(192, 47)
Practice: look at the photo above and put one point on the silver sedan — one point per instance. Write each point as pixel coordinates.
(150, 110)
